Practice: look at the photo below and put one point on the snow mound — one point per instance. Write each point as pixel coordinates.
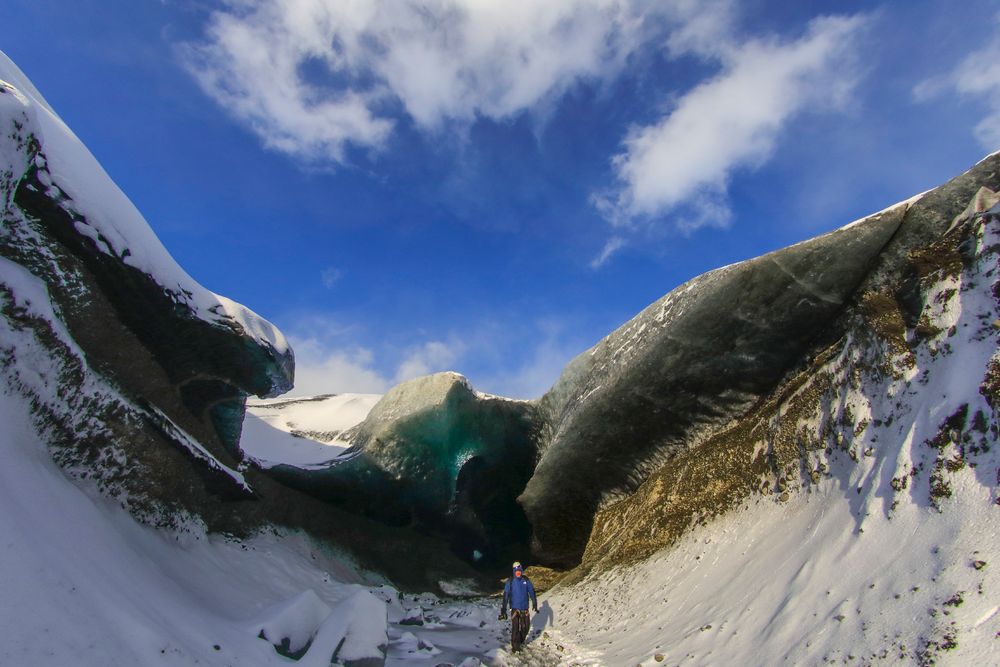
(291, 625)
(355, 634)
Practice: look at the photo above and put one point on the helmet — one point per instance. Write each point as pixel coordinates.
(516, 564)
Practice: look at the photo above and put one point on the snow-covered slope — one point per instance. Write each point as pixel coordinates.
(303, 432)
(877, 542)
(142, 373)
(829, 580)
(83, 584)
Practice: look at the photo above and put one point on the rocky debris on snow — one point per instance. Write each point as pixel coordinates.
(413, 616)
(410, 643)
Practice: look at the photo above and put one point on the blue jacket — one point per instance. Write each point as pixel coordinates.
(516, 592)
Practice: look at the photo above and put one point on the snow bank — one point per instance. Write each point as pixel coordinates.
(800, 584)
(84, 584)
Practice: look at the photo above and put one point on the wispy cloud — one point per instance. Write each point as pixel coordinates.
(431, 357)
(322, 369)
(324, 365)
(318, 78)
(331, 357)
(328, 358)
(313, 77)
(977, 76)
(681, 165)
(550, 348)
(613, 245)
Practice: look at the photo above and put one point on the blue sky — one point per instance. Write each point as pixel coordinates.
(492, 186)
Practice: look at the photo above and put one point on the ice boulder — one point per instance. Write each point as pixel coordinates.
(355, 634)
(291, 624)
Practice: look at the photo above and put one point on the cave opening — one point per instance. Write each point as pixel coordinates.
(491, 529)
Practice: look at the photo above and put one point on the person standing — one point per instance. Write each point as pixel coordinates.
(516, 593)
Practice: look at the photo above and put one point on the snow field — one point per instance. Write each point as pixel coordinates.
(306, 432)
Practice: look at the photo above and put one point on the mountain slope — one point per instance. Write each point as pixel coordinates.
(852, 517)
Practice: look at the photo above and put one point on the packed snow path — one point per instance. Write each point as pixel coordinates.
(468, 633)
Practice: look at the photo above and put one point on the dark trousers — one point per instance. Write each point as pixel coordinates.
(518, 628)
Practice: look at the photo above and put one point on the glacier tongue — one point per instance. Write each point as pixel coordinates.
(435, 453)
(683, 368)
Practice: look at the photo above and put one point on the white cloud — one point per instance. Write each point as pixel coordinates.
(316, 78)
(702, 28)
(329, 358)
(733, 120)
(320, 369)
(977, 76)
(326, 367)
(430, 357)
(311, 77)
(520, 360)
(251, 67)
